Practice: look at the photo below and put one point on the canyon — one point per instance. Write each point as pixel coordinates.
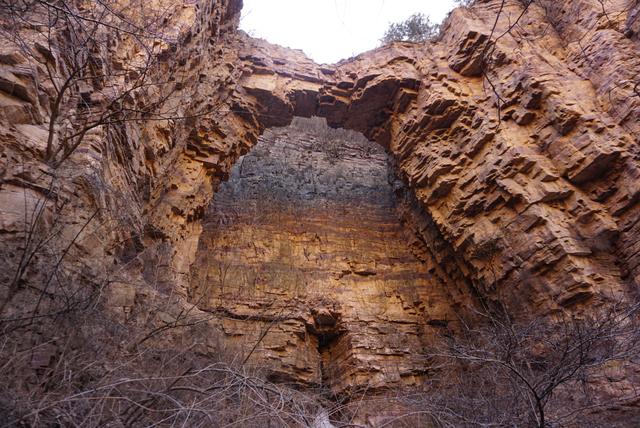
(492, 170)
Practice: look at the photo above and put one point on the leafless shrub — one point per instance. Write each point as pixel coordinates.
(538, 373)
(79, 387)
(623, 90)
(67, 360)
(161, 366)
(68, 50)
(37, 272)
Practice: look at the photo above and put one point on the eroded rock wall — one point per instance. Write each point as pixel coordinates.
(522, 175)
(523, 169)
(305, 262)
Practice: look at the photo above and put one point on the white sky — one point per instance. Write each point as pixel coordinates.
(331, 30)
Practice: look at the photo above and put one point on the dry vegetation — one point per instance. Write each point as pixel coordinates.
(99, 65)
(67, 359)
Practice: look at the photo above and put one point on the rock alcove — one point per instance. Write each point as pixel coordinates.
(305, 252)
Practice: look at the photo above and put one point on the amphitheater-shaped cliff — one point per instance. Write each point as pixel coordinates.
(497, 174)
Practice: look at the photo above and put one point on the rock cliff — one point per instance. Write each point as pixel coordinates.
(507, 174)
(304, 255)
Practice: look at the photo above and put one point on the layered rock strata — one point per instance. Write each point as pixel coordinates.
(305, 262)
(522, 170)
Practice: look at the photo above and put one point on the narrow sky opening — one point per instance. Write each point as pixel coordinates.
(331, 30)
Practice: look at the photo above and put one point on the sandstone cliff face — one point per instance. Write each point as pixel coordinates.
(305, 261)
(520, 184)
(552, 238)
(547, 180)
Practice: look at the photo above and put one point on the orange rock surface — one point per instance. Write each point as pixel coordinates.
(519, 184)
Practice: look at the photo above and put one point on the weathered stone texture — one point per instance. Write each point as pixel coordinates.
(535, 179)
(521, 181)
(303, 256)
